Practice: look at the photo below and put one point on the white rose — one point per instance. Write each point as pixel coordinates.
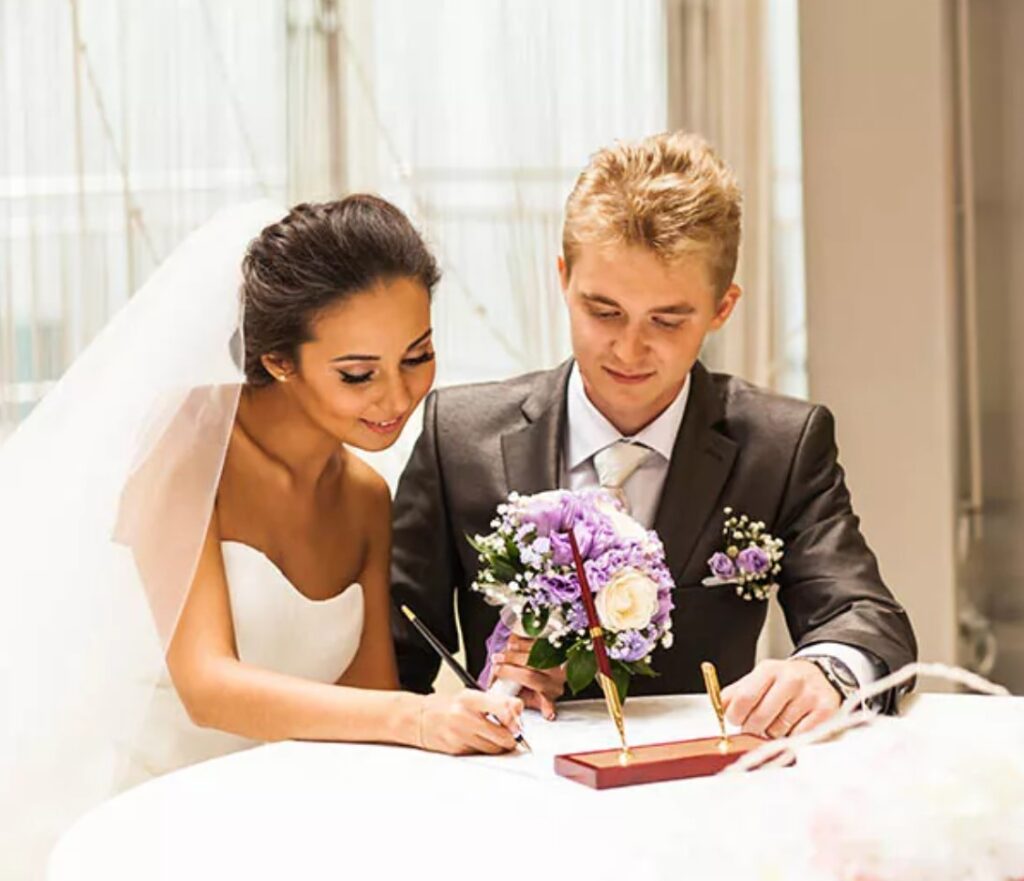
(628, 601)
(625, 526)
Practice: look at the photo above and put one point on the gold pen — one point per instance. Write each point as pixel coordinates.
(604, 667)
(715, 693)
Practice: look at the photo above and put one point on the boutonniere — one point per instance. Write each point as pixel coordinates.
(750, 559)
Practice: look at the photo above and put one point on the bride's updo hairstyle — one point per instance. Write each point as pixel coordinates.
(318, 255)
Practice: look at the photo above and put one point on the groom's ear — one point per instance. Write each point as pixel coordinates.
(725, 305)
(563, 274)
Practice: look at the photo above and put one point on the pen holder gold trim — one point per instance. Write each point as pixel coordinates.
(715, 694)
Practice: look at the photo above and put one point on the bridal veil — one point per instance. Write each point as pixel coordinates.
(106, 491)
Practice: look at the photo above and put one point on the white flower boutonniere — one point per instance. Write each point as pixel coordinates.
(750, 560)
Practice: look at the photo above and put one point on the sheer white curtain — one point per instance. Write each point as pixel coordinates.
(128, 124)
(733, 75)
(482, 114)
(125, 126)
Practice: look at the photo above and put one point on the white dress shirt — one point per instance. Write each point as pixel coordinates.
(589, 431)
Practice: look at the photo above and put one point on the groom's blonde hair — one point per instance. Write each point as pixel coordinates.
(669, 192)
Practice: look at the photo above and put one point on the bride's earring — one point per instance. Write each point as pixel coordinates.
(277, 368)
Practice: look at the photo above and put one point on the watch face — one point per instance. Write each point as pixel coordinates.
(836, 672)
(843, 674)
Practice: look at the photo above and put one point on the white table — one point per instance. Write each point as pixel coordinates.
(317, 810)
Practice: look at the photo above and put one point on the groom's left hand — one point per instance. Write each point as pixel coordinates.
(541, 688)
(779, 698)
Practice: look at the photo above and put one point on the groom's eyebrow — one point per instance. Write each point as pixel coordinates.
(599, 298)
(422, 338)
(671, 309)
(675, 309)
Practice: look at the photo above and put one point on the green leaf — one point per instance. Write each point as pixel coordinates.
(580, 670)
(544, 656)
(621, 674)
(503, 571)
(534, 622)
(512, 551)
(642, 668)
(503, 566)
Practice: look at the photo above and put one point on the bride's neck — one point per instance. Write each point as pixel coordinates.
(284, 433)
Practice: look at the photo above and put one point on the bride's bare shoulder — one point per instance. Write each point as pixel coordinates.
(368, 489)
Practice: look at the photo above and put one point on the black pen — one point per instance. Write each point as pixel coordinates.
(456, 667)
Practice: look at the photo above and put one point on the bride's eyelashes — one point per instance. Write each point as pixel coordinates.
(356, 378)
(425, 358)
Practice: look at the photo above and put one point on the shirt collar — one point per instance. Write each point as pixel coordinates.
(590, 431)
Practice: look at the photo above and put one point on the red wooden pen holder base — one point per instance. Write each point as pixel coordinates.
(602, 769)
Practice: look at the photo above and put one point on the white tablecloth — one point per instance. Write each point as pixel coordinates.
(321, 810)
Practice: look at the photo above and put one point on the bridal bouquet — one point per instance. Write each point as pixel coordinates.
(526, 568)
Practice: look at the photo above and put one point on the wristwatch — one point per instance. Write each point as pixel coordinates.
(839, 676)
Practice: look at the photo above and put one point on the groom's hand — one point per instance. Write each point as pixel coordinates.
(541, 688)
(779, 698)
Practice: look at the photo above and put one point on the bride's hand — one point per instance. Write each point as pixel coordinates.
(458, 725)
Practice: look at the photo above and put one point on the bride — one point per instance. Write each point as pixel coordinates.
(192, 558)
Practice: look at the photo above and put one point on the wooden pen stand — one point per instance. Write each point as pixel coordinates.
(676, 760)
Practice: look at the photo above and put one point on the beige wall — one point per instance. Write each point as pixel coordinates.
(880, 283)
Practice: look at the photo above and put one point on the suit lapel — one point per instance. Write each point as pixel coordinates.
(702, 459)
(532, 451)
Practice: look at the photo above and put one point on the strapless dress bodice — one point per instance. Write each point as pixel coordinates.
(280, 629)
(276, 628)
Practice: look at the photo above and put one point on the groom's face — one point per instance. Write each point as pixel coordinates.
(637, 325)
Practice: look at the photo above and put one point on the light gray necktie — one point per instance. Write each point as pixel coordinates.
(616, 463)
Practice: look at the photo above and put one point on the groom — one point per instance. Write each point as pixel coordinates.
(650, 246)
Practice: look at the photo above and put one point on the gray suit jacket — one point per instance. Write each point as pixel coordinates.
(768, 456)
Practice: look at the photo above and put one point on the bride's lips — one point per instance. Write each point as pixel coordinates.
(628, 378)
(389, 427)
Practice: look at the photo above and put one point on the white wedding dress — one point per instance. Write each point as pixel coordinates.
(276, 628)
(106, 495)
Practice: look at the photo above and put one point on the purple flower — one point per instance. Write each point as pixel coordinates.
(561, 550)
(722, 566)
(544, 513)
(572, 508)
(496, 642)
(665, 607)
(753, 561)
(577, 617)
(594, 536)
(557, 589)
(631, 645)
(603, 539)
(541, 545)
